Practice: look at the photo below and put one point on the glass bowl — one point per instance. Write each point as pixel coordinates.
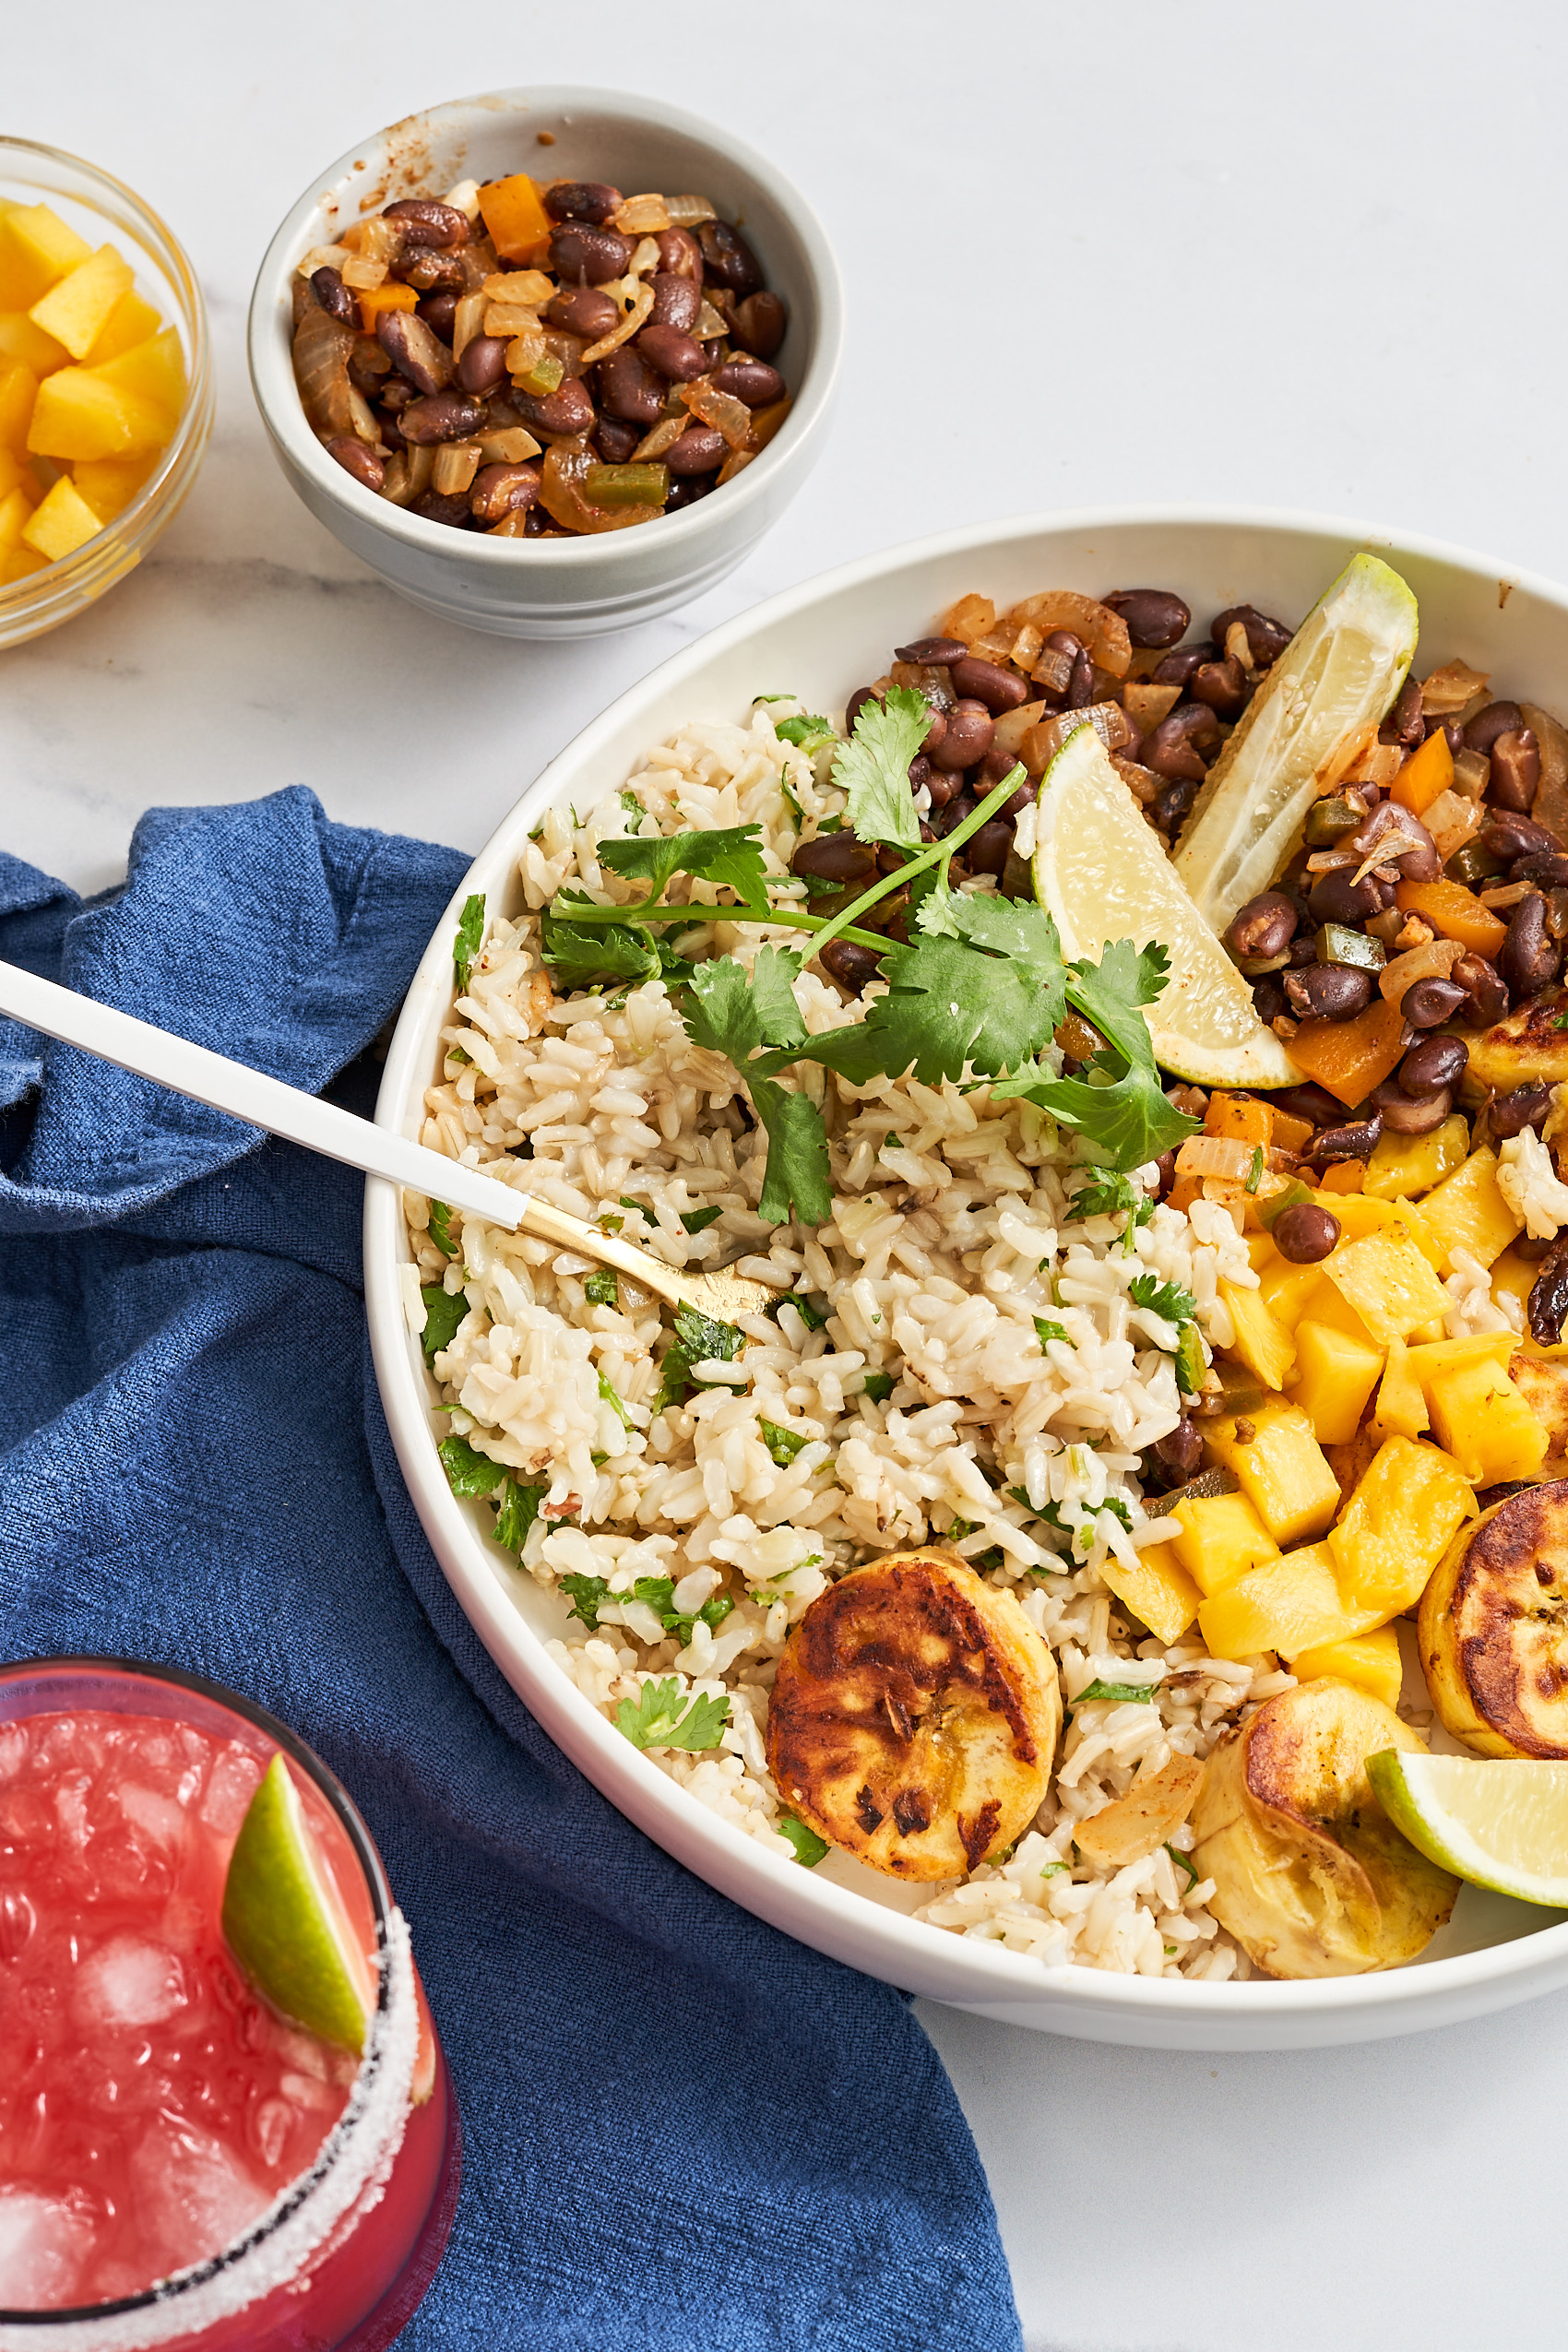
(93, 203)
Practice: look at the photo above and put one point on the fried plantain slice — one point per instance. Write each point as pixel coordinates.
(915, 1716)
(1493, 1628)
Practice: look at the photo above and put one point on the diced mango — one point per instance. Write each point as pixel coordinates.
(153, 371)
(36, 247)
(1438, 1356)
(1386, 1279)
(514, 212)
(15, 509)
(1468, 1212)
(1159, 1591)
(1345, 1176)
(20, 339)
(1482, 1419)
(1260, 1343)
(1401, 1406)
(1372, 1661)
(1290, 1604)
(1336, 1374)
(1397, 1524)
(15, 473)
(1281, 1469)
(1222, 1538)
(130, 322)
(63, 523)
(20, 564)
(77, 305)
(109, 484)
(1284, 1289)
(77, 414)
(1412, 1164)
(19, 391)
(1426, 775)
(1513, 1277)
(1325, 1303)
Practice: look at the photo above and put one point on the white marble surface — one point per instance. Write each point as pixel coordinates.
(1221, 252)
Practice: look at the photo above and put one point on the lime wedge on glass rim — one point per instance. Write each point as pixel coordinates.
(1100, 873)
(1499, 1822)
(1316, 711)
(285, 1922)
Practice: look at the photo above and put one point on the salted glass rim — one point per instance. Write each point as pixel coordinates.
(74, 1666)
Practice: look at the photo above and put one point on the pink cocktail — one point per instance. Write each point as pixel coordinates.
(179, 2166)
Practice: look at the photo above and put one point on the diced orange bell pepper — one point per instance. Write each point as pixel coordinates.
(1185, 1190)
(1426, 775)
(1244, 1120)
(374, 299)
(1351, 1057)
(1454, 912)
(1344, 1176)
(515, 214)
(1290, 1133)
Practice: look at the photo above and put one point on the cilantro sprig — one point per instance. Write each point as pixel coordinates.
(655, 1718)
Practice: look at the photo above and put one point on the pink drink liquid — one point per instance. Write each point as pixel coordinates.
(151, 2106)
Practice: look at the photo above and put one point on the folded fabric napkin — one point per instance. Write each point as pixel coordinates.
(683, 2131)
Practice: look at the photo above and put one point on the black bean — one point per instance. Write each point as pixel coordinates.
(1510, 1114)
(356, 459)
(1335, 898)
(1420, 865)
(727, 259)
(425, 223)
(334, 297)
(1515, 770)
(942, 786)
(1154, 616)
(1547, 869)
(583, 256)
(1222, 685)
(750, 380)
(1311, 1103)
(1352, 1139)
(1404, 723)
(856, 703)
(1305, 1233)
(680, 253)
(1528, 959)
(992, 768)
(932, 653)
(1506, 836)
(986, 851)
(439, 312)
(443, 416)
(1303, 951)
(834, 857)
(1178, 668)
(1434, 1063)
(1263, 928)
(1483, 986)
(988, 683)
(1497, 718)
(1449, 727)
(1408, 1118)
(850, 964)
(565, 411)
(369, 368)
(1266, 639)
(436, 506)
(483, 363)
(1328, 992)
(701, 449)
(759, 325)
(583, 309)
(967, 737)
(430, 272)
(935, 735)
(675, 355)
(676, 301)
(616, 439)
(1171, 805)
(629, 389)
(591, 200)
(1549, 1298)
(1268, 998)
(688, 489)
(1428, 1002)
(414, 349)
(1173, 748)
(396, 394)
(1178, 1454)
(498, 491)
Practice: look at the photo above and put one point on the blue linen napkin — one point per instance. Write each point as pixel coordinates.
(683, 2131)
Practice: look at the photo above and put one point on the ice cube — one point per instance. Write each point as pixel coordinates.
(193, 2194)
(17, 1921)
(160, 1817)
(13, 1749)
(236, 1775)
(130, 1982)
(44, 2249)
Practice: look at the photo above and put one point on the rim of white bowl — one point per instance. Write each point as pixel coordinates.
(277, 398)
(909, 1953)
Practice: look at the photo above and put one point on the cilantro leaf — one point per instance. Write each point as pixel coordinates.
(1126, 1691)
(879, 1387)
(656, 1721)
(697, 1220)
(782, 1444)
(874, 768)
(1045, 1330)
(468, 940)
(733, 1013)
(1118, 1102)
(578, 957)
(773, 992)
(798, 1177)
(809, 1847)
(520, 1509)
(444, 1312)
(699, 1340)
(1167, 1299)
(731, 857)
(441, 1228)
(470, 1473)
(590, 1595)
(1107, 1196)
(601, 1287)
(807, 734)
(955, 998)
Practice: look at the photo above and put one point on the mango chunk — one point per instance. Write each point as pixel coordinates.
(1261, 1343)
(153, 371)
(1159, 1591)
(1289, 1605)
(36, 247)
(1485, 1423)
(1412, 1164)
(1397, 1524)
(1335, 1376)
(1387, 1280)
(61, 523)
(1285, 1288)
(1401, 1405)
(19, 391)
(1372, 1661)
(77, 305)
(1281, 1470)
(1468, 1212)
(1222, 1538)
(15, 509)
(77, 414)
(20, 339)
(130, 322)
(20, 564)
(109, 484)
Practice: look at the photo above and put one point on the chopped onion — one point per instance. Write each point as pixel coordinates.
(685, 211)
(1216, 1156)
(766, 423)
(361, 275)
(1053, 670)
(421, 465)
(508, 446)
(1450, 688)
(468, 320)
(397, 487)
(1042, 742)
(663, 436)
(1435, 960)
(968, 619)
(510, 318)
(361, 418)
(325, 257)
(457, 462)
(1239, 647)
(1508, 893)
(1388, 848)
(1027, 648)
(640, 214)
(322, 345)
(1472, 774)
(1451, 820)
(634, 318)
(563, 492)
(463, 197)
(644, 259)
(1378, 763)
(381, 241)
(712, 326)
(1103, 632)
(532, 288)
(735, 463)
(1331, 861)
(722, 409)
(1146, 704)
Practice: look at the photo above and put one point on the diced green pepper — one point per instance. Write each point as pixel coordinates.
(1329, 821)
(1473, 865)
(1338, 944)
(1274, 1205)
(626, 485)
(1190, 1365)
(544, 376)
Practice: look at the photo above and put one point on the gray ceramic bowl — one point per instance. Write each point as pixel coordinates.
(576, 588)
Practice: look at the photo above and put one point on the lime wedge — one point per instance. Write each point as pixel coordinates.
(1317, 709)
(1100, 873)
(1501, 1823)
(286, 1924)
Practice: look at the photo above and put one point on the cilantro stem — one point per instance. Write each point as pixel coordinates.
(692, 914)
(936, 853)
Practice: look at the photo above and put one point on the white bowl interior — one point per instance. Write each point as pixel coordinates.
(820, 641)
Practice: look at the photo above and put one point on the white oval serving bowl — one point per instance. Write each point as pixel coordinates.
(820, 641)
(572, 588)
